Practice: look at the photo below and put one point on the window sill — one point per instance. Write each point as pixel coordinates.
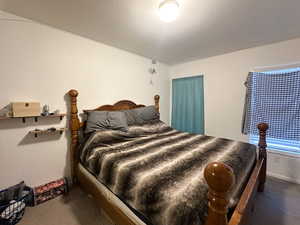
(279, 147)
(284, 153)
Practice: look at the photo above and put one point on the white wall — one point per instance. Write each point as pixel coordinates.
(224, 92)
(40, 63)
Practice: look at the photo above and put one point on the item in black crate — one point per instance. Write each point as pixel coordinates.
(13, 212)
(12, 209)
(6, 111)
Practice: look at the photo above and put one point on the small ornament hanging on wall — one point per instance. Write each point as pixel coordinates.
(152, 70)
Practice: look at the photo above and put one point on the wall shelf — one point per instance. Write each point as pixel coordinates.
(60, 116)
(47, 131)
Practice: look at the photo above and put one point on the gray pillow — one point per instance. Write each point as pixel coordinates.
(132, 117)
(147, 113)
(117, 121)
(103, 120)
(141, 115)
(96, 120)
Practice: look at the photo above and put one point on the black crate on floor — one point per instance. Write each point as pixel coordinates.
(13, 203)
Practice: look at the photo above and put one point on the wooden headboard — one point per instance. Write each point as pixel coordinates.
(76, 124)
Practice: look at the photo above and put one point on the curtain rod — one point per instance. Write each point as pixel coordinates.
(296, 64)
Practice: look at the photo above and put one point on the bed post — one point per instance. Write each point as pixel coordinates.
(262, 144)
(74, 126)
(156, 100)
(220, 179)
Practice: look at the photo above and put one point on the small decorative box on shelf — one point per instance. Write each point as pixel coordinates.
(23, 109)
(61, 115)
(51, 130)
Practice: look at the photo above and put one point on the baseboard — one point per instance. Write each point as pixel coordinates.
(282, 177)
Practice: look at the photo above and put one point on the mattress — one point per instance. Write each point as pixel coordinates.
(158, 171)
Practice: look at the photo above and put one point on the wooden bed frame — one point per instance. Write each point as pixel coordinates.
(219, 177)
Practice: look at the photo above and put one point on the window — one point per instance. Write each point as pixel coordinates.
(274, 98)
(278, 144)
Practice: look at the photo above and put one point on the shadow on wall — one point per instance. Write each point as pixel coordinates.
(16, 123)
(5, 111)
(30, 139)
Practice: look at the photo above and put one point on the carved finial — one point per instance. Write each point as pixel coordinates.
(220, 179)
(156, 100)
(263, 126)
(73, 93)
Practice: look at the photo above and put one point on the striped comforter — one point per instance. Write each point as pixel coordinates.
(158, 171)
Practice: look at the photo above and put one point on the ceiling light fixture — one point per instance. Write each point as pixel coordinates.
(168, 10)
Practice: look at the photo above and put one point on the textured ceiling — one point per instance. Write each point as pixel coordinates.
(204, 28)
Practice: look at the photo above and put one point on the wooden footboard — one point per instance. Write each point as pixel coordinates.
(220, 179)
(246, 203)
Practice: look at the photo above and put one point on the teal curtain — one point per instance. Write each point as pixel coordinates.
(188, 104)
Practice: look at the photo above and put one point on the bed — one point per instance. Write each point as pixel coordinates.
(154, 174)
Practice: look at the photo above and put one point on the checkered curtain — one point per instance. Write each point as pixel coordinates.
(273, 98)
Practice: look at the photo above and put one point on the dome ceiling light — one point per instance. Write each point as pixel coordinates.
(168, 10)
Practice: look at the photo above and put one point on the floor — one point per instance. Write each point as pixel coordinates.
(76, 208)
(278, 205)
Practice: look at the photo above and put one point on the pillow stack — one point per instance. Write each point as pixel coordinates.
(120, 120)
